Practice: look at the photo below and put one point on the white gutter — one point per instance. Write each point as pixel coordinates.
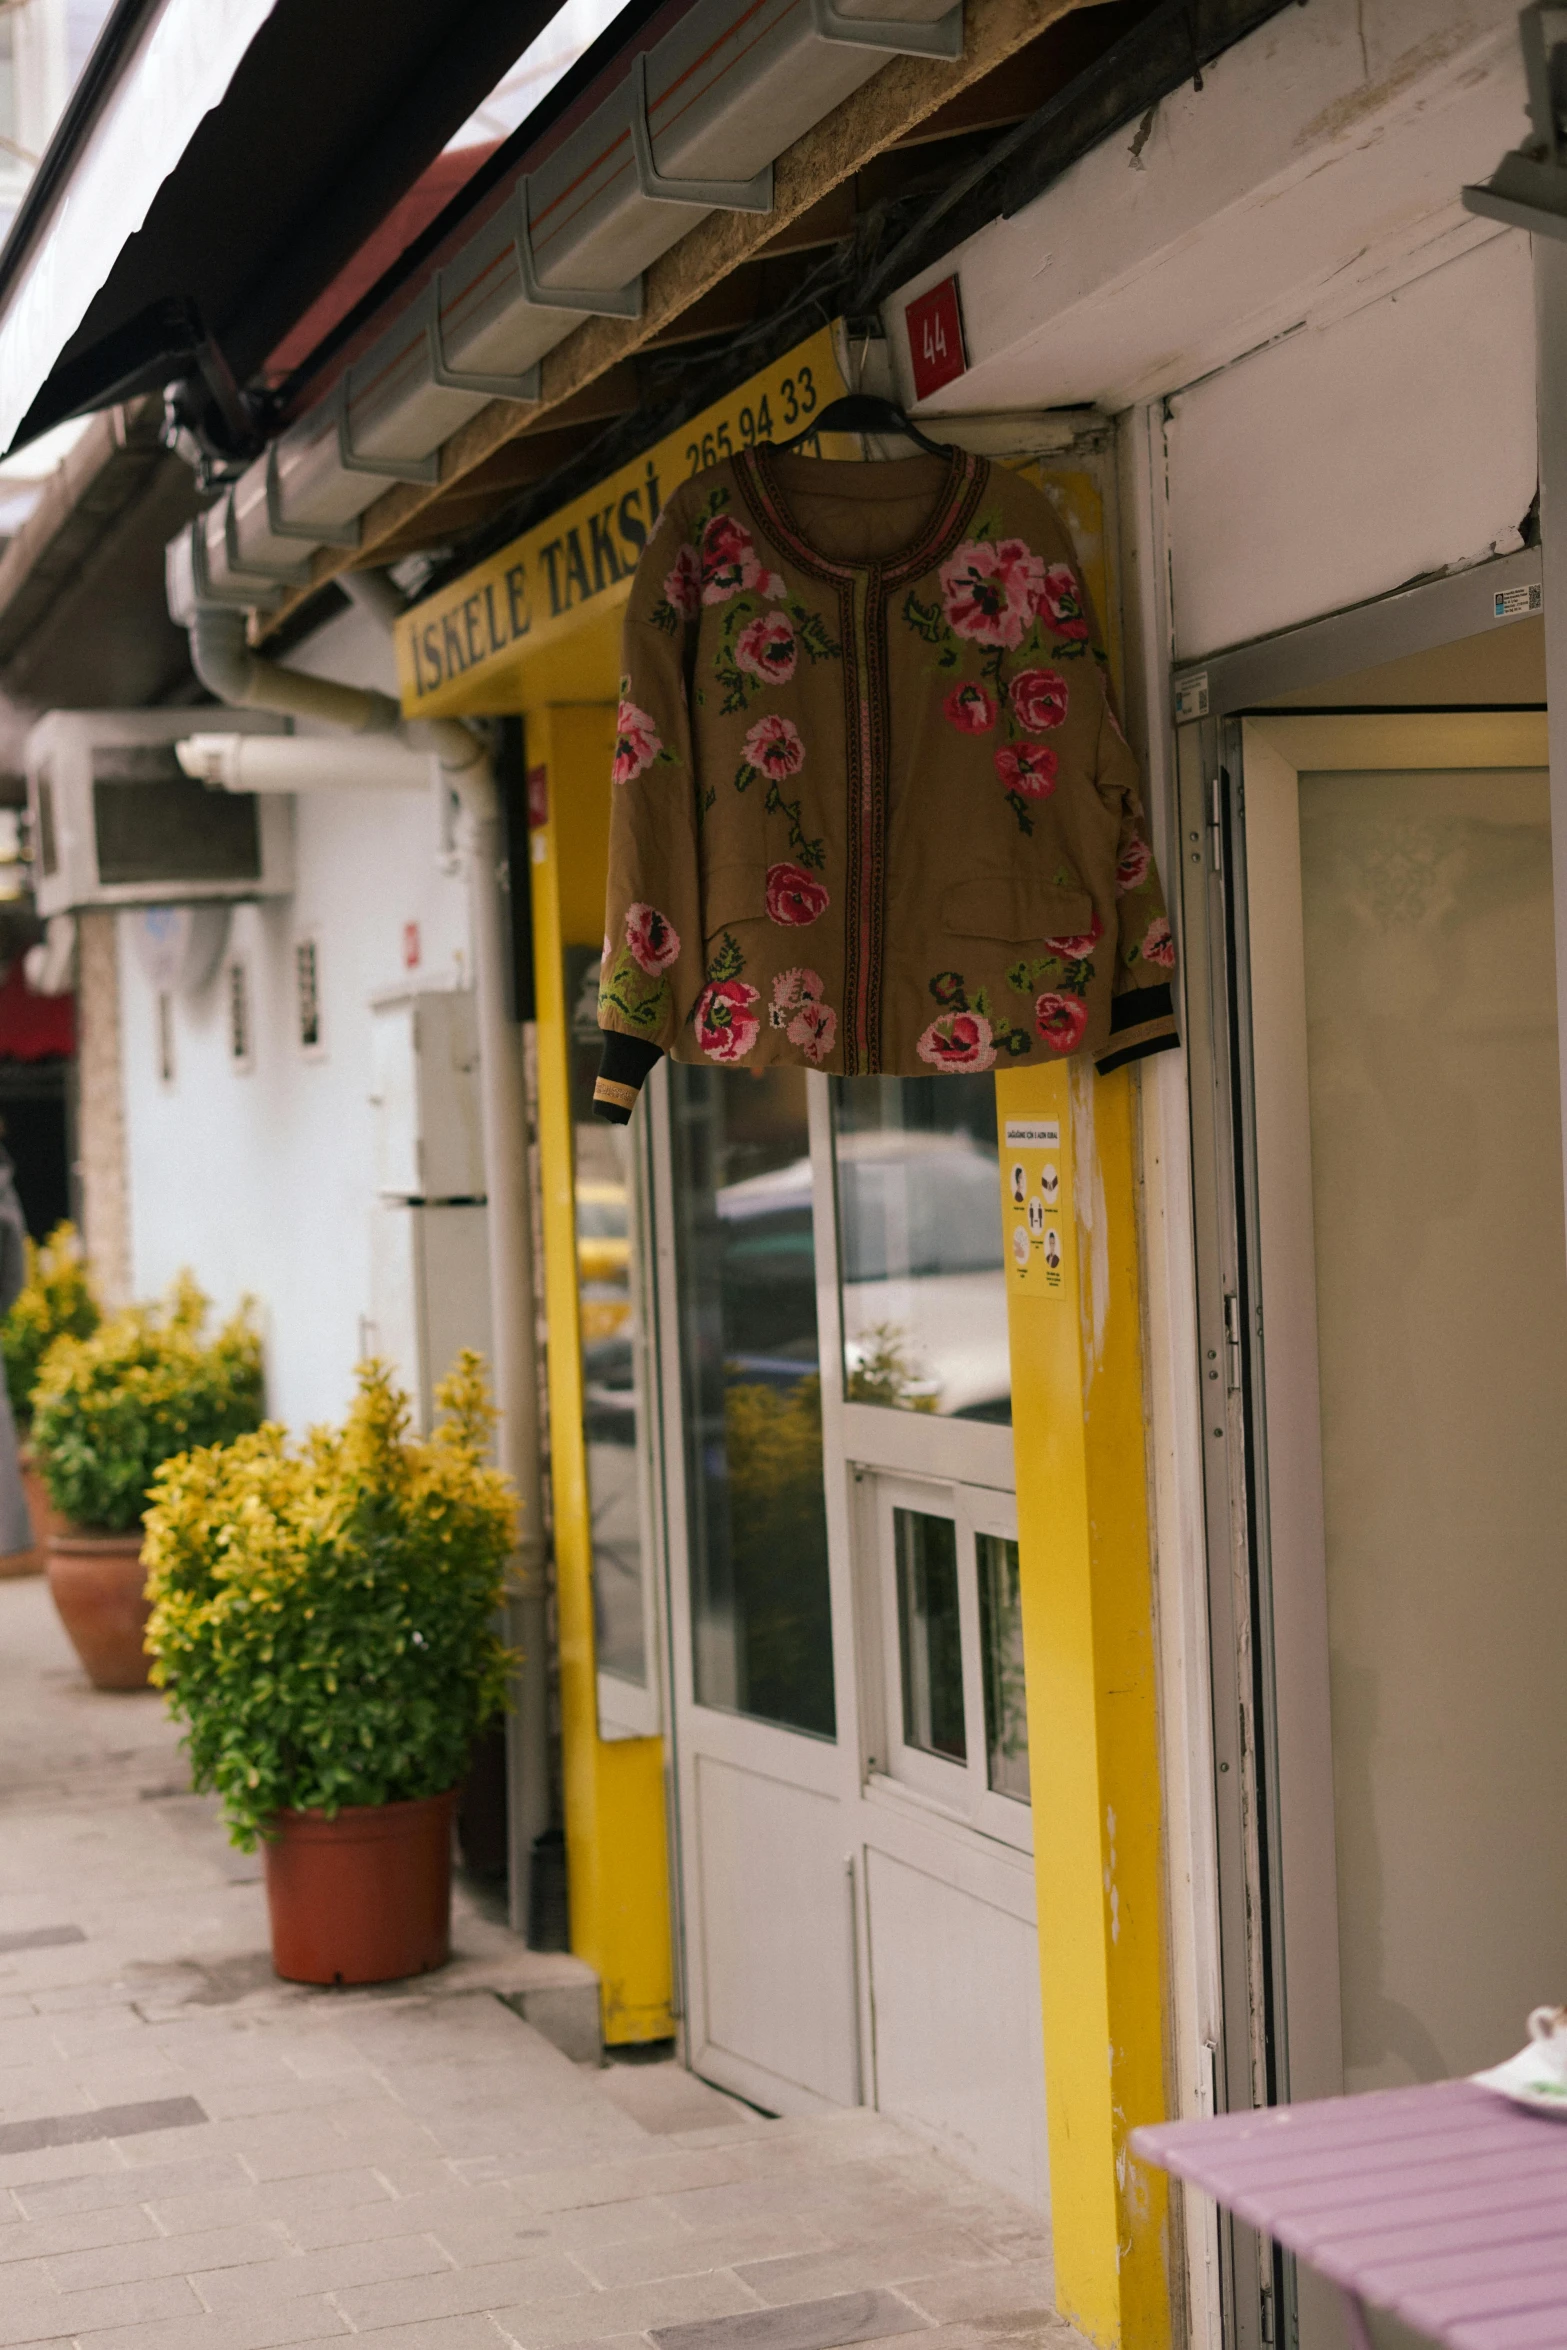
(225, 664)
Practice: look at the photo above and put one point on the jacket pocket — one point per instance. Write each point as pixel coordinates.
(1015, 907)
(733, 893)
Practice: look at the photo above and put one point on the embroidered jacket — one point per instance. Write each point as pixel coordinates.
(872, 810)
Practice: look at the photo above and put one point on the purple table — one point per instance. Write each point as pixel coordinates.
(1446, 2205)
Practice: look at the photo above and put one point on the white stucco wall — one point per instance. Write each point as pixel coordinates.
(261, 1181)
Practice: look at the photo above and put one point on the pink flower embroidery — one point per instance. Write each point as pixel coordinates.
(1038, 698)
(726, 1027)
(1029, 768)
(794, 897)
(956, 1041)
(813, 1029)
(766, 647)
(991, 590)
(771, 585)
(1132, 867)
(1060, 1020)
(1158, 946)
(683, 584)
(791, 989)
(654, 943)
(729, 560)
(970, 709)
(1061, 600)
(636, 743)
(774, 748)
(1081, 943)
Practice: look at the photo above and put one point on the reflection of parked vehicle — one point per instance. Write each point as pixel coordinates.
(920, 1235)
(603, 1259)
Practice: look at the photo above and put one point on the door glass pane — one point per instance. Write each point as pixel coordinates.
(930, 1638)
(612, 1399)
(919, 1225)
(1442, 1327)
(1001, 1631)
(760, 1612)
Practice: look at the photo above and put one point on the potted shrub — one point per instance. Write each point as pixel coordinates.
(108, 1410)
(57, 1300)
(324, 1624)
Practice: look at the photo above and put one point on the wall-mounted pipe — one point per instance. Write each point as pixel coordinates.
(306, 762)
(226, 665)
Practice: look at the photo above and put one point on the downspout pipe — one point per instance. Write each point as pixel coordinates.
(227, 666)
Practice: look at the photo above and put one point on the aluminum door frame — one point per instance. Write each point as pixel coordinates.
(1210, 701)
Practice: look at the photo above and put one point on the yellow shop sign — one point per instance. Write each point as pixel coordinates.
(479, 631)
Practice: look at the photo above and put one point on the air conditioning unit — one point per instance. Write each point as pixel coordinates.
(117, 822)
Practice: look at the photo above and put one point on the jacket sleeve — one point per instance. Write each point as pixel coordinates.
(653, 964)
(1142, 1011)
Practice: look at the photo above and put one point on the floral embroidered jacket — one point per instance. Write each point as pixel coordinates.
(872, 811)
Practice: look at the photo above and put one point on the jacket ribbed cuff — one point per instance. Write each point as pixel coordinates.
(626, 1062)
(1142, 1021)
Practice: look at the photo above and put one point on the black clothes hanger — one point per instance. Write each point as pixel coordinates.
(864, 412)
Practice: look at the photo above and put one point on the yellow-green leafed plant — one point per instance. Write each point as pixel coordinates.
(324, 1614)
(111, 1408)
(56, 1301)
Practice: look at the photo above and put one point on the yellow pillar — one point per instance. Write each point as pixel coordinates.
(616, 1858)
(1077, 1403)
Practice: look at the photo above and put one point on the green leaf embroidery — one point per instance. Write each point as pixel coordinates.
(810, 852)
(926, 620)
(728, 962)
(637, 995)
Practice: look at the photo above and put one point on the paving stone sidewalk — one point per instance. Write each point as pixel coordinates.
(194, 2156)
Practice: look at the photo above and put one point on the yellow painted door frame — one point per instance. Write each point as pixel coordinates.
(616, 1859)
(1069, 1194)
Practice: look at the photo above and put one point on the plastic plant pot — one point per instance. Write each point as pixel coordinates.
(362, 1898)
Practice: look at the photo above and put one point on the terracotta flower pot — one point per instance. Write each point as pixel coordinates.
(31, 1561)
(364, 1898)
(98, 1584)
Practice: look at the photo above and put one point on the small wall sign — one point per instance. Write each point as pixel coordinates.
(935, 327)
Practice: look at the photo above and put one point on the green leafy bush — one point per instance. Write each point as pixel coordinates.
(110, 1409)
(57, 1301)
(324, 1614)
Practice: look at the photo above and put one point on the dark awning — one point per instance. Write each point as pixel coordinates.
(253, 150)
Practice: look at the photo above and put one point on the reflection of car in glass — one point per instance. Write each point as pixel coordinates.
(924, 1303)
(603, 1259)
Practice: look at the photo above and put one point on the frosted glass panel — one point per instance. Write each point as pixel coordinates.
(1442, 1302)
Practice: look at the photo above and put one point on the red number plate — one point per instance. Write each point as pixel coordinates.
(935, 325)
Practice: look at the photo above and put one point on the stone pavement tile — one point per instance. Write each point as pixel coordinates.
(552, 2325)
(812, 2276)
(1038, 2329)
(979, 2293)
(482, 2208)
(78, 2231)
(546, 2278)
(382, 2264)
(808, 2325)
(57, 2162)
(165, 2256)
(110, 2181)
(662, 2173)
(45, 2314)
(595, 2224)
(667, 2099)
(431, 2177)
(296, 2321)
(678, 2251)
(442, 2333)
(290, 2200)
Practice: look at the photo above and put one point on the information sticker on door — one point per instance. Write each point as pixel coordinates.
(1036, 1209)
